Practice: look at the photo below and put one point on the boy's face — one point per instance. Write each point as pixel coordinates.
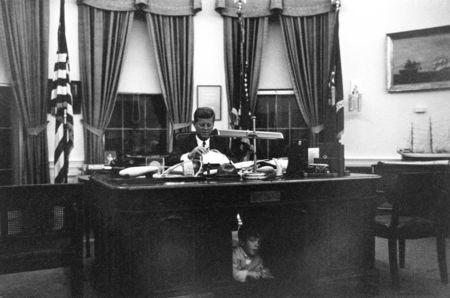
(204, 127)
(252, 245)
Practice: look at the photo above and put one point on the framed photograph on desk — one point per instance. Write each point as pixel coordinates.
(210, 96)
(418, 59)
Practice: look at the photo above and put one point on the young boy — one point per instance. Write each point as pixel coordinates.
(247, 263)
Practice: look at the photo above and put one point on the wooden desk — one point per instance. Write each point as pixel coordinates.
(161, 238)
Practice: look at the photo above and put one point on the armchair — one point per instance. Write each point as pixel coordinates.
(415, 207)
(40, 229)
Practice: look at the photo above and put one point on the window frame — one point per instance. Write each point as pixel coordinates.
(277, 93)
(123, 129)
(4, 93)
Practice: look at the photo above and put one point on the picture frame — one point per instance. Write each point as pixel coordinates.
(418, 59)
(210, 96)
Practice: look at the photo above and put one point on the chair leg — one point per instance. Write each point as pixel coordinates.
(392, 247)
(440, 245)
(75, 276)
(401, 252)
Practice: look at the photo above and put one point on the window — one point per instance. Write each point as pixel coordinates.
(138, 125)
(277, 110)
(5, 135)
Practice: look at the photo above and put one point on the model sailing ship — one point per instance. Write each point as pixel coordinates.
(431, 153)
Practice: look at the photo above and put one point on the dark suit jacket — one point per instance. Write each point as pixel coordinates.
(184, 143)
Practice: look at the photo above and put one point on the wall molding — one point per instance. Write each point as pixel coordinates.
(367, 161)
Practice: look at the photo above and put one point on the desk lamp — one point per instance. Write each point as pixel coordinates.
(253, 135)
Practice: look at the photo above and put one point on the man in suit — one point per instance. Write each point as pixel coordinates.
(192, 146)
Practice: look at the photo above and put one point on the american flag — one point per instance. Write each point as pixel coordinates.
(61, 99)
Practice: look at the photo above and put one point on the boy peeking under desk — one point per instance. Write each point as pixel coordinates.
(247, 262)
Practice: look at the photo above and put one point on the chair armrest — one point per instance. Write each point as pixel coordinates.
(384, 209)
(382, 203)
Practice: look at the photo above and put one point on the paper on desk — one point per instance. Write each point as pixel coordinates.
(283, 161)
(138, 171)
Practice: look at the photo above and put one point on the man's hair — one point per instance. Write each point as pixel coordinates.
(204, 113)
(247, 231)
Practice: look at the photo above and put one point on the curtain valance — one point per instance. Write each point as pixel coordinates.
(161, 7)
(261, 8)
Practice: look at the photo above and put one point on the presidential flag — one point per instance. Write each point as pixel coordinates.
(336, 86)
(61, 99)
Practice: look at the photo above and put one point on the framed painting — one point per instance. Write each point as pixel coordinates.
(418, 59)
(210, 96)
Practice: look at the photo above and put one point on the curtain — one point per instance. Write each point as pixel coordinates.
(243, 44)
(104, 27)
(24, 41)
(102, 38)
(306, 29)
(255, 31)
(162, 7)
(307, 45)
(173, 40)
(307, 37)
(261, 8)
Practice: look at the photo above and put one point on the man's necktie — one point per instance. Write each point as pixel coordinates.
(204, 144)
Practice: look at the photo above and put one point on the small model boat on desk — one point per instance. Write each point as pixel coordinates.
(430, 151)
(407, 154)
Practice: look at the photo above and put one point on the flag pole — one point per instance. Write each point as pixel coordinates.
(66, 153)
(62, 100)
